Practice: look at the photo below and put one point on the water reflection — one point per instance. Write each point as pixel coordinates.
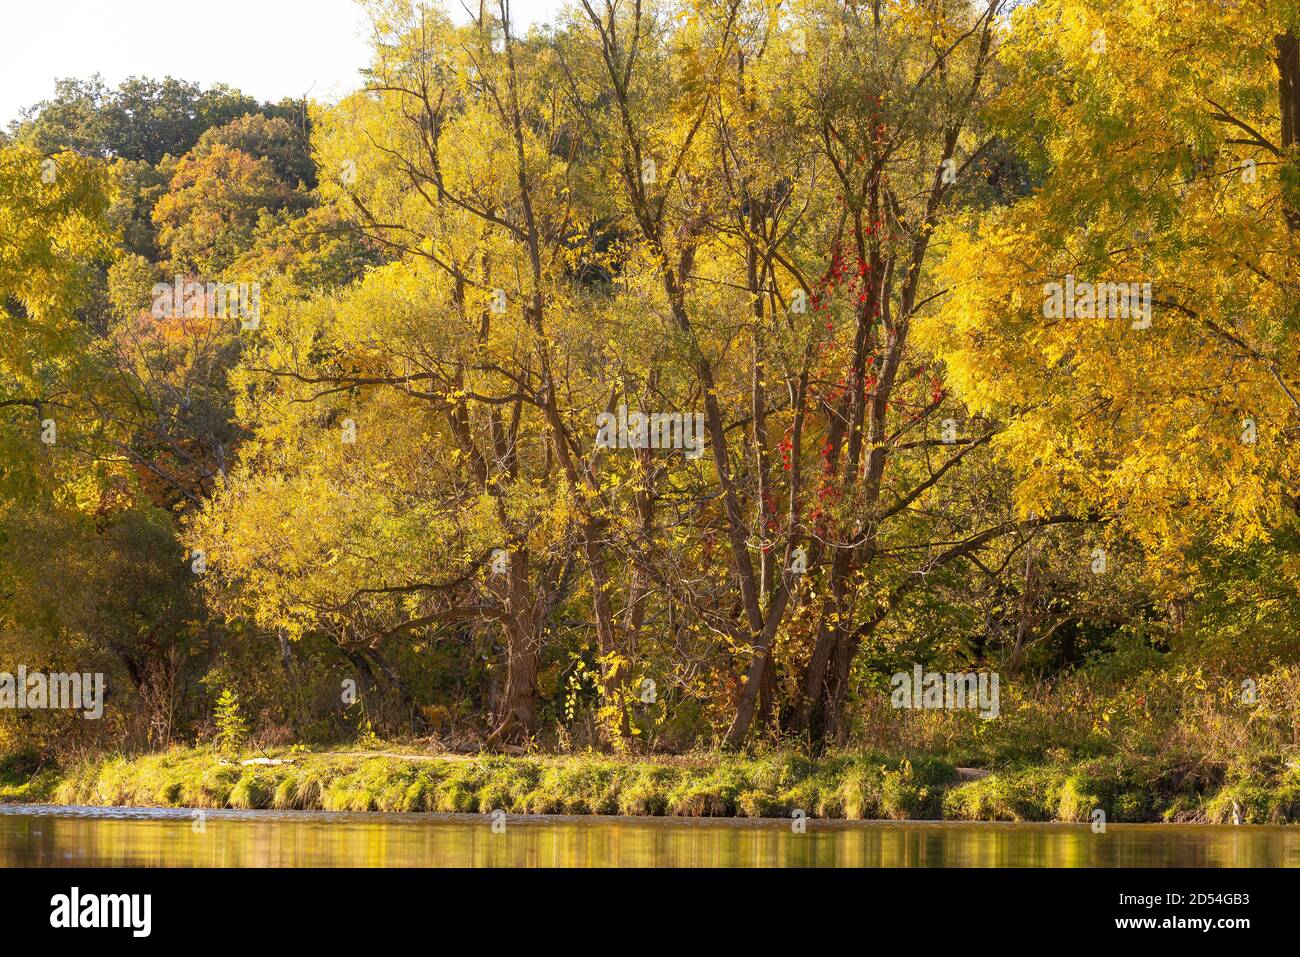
(98, 837)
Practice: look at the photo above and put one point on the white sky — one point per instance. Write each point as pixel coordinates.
(266, 48)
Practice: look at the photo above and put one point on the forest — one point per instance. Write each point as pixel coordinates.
(673, 382)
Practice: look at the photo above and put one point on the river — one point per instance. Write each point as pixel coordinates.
(40, 836)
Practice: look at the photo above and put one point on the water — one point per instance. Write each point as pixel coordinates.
(40, 836)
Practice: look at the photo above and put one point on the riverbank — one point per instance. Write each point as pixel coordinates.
(850, 786)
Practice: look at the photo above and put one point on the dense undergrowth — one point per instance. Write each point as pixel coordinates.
(1155, 743)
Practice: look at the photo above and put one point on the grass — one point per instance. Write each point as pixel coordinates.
(21, 783)
(845, 785)
(853, 786)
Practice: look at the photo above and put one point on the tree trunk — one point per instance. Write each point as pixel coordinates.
(1288, 90)
(517, 707)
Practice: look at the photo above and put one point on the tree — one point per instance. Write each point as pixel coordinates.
(51, 214)
(1169, 412)
(882, 107)
(63, 516)
(214, 204)
(143, 119)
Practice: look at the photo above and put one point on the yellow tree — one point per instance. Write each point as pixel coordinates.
(458, 160)
(52, 217)
(1132, 322)
(796, 182)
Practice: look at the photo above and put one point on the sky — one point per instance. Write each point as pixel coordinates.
(268, 49)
